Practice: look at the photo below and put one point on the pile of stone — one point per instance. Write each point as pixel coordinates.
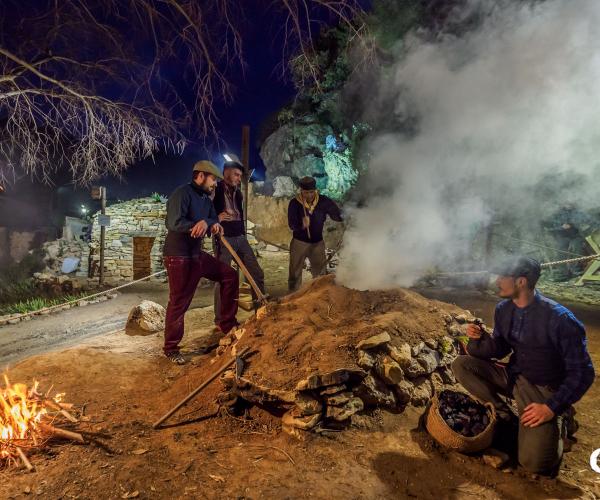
(391, 369)
(386, 376)
(55, 252)
(59, 284)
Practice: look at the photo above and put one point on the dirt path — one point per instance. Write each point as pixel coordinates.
(57, 331)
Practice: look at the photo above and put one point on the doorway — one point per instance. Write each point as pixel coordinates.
(142, 262)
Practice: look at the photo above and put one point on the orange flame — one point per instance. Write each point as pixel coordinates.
(21, 410)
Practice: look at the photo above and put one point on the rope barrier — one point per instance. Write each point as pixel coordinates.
(94, 295)
(114, 289)
(570, 261)
(539, 245)
(543, 265)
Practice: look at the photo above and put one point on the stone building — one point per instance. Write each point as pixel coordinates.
(134, 241)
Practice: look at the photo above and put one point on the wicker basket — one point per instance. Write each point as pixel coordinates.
(443, 434)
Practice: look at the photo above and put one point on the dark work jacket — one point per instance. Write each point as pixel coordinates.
(548, 344)
(186, 206)
(230, 228)
(326, 206)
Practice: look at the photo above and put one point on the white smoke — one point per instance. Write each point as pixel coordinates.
(498, 110)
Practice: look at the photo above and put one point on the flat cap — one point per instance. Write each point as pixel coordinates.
(518, 267)
(208, 167)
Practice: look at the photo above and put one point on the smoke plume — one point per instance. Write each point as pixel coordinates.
(499, 111)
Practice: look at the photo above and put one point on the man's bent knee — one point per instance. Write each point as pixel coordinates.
(461, 366)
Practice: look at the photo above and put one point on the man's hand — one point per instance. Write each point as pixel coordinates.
(536, 414)
(199, 229)
(216, 229)
(474, 331)
(305, 222)
(224, 216)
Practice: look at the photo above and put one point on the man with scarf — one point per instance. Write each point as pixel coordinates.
(307, 213)
(190, 216)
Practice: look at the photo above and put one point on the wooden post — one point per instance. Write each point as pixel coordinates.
(246, 164)
(102, 233)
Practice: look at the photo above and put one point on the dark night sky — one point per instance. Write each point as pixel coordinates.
(258, 93)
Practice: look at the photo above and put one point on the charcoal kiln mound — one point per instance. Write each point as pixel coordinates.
(326, 355)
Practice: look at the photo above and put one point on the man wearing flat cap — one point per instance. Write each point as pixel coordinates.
(190, 217)
(307, 213)
(229, 205)
(549, 369)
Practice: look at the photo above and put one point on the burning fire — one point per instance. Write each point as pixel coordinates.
(22, 411)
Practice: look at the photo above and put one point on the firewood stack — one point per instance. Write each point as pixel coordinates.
(29, 421)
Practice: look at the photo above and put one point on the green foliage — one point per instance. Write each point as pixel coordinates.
(335, 99)
(157, 197)
(15, 280)
(391, 20)
(36, 303)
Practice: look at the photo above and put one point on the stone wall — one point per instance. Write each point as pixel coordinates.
(144, 218)
(269, 214)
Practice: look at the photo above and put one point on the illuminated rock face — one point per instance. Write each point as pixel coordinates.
(341, 174)
(301, 149)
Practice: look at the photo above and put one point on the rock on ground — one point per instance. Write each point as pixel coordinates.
(146, 318)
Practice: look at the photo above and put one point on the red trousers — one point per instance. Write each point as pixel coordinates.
(184, 274)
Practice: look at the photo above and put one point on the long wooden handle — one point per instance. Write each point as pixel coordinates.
(195, 392)
(244, 269)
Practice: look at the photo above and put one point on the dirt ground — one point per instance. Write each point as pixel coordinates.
(124, 384)
(56, 331)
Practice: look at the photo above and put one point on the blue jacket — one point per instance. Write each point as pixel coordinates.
(187, 205)
(548, 345)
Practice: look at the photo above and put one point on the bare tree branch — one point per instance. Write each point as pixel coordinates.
(88, 85)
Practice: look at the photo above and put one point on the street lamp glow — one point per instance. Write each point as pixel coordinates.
(84, 210)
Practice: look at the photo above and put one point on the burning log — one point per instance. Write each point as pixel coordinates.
(27, 419)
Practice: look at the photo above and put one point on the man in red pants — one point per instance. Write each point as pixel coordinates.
(190, 216)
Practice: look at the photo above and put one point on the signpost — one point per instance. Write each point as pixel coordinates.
(99, 193)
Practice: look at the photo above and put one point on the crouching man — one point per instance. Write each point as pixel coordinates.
(549, 368)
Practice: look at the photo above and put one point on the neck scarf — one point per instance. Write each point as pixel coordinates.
(310, 207)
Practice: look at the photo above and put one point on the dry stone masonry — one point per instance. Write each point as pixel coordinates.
(349, 374)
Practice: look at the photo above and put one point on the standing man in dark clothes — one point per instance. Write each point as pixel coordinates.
(229, 205)
(190, 216)
(306, 218)
(549, 368)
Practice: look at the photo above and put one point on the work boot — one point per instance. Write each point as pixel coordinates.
(176, 358)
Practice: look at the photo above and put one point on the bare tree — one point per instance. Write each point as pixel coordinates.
(94, 85)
